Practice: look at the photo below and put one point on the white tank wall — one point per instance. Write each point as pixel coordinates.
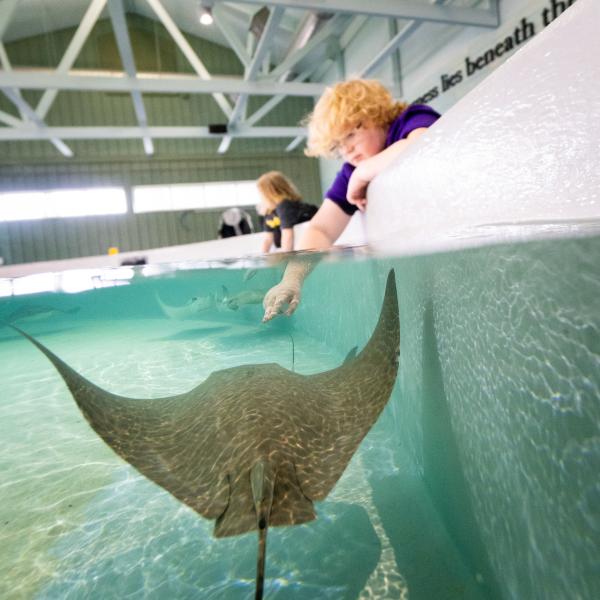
(516, 157)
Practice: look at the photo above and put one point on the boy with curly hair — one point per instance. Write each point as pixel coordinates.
(359, 121)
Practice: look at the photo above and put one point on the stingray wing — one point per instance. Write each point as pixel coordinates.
(308, 427)
(343, 404)
(163, 438)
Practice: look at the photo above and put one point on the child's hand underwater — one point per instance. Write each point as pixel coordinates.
(278, 297)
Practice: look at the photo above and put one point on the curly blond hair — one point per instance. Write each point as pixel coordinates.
(275, 187)
(345, 106)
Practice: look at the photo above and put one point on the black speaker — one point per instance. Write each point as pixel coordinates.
(217, 128)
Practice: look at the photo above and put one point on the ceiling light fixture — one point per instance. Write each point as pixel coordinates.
(205, 14)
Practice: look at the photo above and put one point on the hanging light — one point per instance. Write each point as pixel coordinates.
(205, 14)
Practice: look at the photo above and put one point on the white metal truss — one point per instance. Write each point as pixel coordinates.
(120, 133)
(111, 81)
(336, 26)
(230, 35)
(298, 74)
(393, 44)
(41, 129)
(117, 15)
(14, 94)
(270, 104)
(71, 54)
(266, 39)
(405, 9)
(188, 51)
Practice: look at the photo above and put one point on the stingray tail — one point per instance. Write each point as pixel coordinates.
(262, 483)
(168, 311)
(260, 562)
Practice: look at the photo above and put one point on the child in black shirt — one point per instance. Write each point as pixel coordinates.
(284, 208)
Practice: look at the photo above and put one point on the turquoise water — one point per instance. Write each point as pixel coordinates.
(479, 481)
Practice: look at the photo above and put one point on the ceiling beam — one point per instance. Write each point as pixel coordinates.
(10, 120)
(71, 53)
(188, 52)
(355, 25)
(13, 93)
(266, 39)
(393, 44)
(295, 143)
(119, 22)
(272, 102)
(335, 25)
(40, 127)
(6, 66)
(229, 34)
(408, 9)
(388, 49)
(108, 133)
(117, 81)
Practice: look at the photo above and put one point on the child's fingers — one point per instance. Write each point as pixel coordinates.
(293, 305)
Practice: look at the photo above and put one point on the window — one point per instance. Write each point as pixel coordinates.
(189, 196)
(51, 204)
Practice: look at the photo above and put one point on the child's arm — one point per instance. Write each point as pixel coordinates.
(285, 296)
(287, 239)
(267, 242)
(323, 230)
(369, 168)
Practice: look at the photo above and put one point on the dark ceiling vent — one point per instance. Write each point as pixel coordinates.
(259, 20)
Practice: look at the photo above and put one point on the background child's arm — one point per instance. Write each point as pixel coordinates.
(267, 242)
(287, 239)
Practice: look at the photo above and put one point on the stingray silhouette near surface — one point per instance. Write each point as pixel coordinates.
(253, 445)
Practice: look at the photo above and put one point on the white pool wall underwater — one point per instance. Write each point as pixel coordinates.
(500, 351)
(517, 157)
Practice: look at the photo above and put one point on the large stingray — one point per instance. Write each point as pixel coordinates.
(253, 445)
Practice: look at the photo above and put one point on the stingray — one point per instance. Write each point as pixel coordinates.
(234, 301)
(38, 312)
(189, 310)
(252, 446)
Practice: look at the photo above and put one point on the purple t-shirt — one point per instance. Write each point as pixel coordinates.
(414, 117)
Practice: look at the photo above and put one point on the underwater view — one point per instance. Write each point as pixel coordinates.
(477, 477)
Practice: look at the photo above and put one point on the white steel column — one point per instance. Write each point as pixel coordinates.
(117, 15)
